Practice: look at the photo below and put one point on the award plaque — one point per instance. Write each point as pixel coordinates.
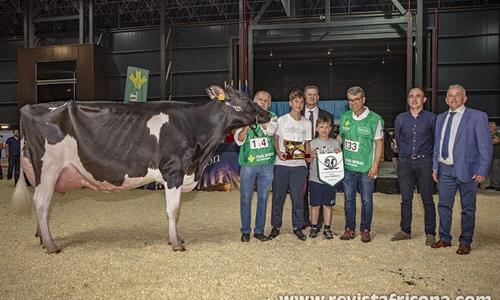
(330, 168)
(295, 150)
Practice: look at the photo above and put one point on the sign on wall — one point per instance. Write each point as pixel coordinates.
(136, 87)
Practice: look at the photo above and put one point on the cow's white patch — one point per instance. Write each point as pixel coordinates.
(155, 123)
(62, 166)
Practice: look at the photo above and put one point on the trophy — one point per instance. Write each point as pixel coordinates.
(295, 150)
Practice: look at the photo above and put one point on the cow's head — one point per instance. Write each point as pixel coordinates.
(248, 111)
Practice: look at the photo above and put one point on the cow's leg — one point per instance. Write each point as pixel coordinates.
(42, 198)
(173, 199)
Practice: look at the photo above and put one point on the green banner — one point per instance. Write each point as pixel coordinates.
(136, 88)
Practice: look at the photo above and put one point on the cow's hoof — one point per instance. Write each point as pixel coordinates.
(181, 249)
(57, 251)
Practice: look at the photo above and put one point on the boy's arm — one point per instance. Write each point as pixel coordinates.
(281, 155)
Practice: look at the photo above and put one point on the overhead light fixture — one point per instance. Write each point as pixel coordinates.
(331, 62)
(329, 51)
(279, 65)
(383, 60)
(5, 126)
(271, 53)
(388, 48)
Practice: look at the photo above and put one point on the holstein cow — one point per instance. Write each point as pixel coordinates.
(111, 146)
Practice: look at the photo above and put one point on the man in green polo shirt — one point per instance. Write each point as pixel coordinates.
(361, 133)
(256, 159)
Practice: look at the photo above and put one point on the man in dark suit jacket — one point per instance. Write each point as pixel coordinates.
(312, 97)
(461, 165)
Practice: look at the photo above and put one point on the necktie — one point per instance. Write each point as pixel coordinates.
(446, 138)
(311, 118)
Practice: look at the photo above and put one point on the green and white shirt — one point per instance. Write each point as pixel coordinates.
(358, 138)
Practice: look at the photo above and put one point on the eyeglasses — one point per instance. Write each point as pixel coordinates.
(355, 100)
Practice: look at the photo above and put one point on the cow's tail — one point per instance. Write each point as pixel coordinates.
(21, 199)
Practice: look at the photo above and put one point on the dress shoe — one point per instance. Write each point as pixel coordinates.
(274, 233)
(298, 233)
(401, 236)
(245, 237)
(463, 249)
(365, 236)
(306, 224)
(441, 244)
(261, 237)
(489, 187)
(348, 235)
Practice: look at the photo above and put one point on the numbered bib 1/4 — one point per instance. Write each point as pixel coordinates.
(295, 150)
(330, 168)
(352, 146)
(259, 143)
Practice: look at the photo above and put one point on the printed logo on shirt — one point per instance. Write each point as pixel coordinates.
(363, 130)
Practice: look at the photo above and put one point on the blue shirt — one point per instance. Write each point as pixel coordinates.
(415, 135)
(14, 146)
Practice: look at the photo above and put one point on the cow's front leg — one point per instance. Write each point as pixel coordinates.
(173, 199)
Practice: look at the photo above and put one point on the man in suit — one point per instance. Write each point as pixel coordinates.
(461, 160)
(311, 111)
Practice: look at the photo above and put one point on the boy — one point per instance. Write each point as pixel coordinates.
(290, 175)
(321, 194)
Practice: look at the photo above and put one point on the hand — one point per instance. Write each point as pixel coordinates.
(281, 155)
(373, 173)
(478, 178)
(434, 175)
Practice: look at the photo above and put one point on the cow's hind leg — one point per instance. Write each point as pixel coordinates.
(42, 198)
(173, 199)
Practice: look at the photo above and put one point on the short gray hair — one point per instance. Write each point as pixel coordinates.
(354, 90)
(264, 92)
(456, 86)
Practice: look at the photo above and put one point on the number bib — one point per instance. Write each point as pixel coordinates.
(258, 143)
(352, 146)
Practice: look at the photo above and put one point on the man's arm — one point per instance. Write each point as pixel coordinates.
(281, 155)
(373, 172)
(6, 150)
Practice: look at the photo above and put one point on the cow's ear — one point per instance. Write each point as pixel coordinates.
(216, 92)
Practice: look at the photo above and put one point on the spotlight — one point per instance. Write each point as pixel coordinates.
(271, 53)
(331, 62)
(279, 64)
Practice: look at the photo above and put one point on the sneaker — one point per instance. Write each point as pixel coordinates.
(274, 233)
(328, 234)
(430, 239)
(348, 235)
(365, 236)
(298, 232)
(314, 232)
(401, 236)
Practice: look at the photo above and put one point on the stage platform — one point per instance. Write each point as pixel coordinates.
(387, 181)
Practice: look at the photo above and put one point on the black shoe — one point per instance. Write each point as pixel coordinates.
(497, 189)
(274, 233)
(328, 234)
(306, 224)
(9, 178)
(489, 188)
(245, 237)
(298, 232)
(261, 237)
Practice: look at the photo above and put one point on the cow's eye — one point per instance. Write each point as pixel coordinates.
(237, 108)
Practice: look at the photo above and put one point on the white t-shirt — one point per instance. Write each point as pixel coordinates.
(292, 130)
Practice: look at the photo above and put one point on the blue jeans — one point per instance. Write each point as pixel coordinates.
(419, 171)
(351, 182)
(264, 175)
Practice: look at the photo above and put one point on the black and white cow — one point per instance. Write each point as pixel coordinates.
(111, 146)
